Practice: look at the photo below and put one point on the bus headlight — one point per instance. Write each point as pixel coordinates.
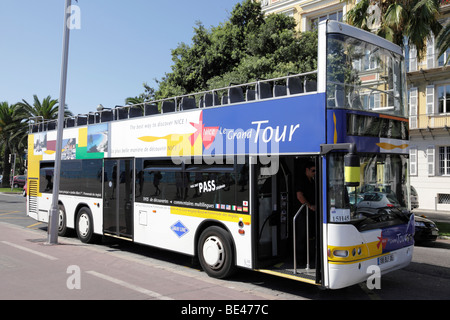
(340, 253)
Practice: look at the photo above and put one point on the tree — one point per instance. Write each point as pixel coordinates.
(11, 127)
(245, 48)
(14, 125)
(443, 41)
(413, 19)
(47, 109)
(148, 95)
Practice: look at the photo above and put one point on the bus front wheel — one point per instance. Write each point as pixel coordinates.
(85, 226)
(215, 252)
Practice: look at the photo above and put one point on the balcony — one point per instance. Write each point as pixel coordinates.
(268, 3)
(430, 123)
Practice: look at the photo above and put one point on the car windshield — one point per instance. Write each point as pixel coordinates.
(380, 199)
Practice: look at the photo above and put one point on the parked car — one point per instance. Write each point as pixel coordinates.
(414, 198)
(378, 200)
(19, 181)
(425, 230)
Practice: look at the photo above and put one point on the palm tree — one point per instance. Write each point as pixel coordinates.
(12, 133)
(443, 41)
(47, 109)
(413, 19)
(147, 96)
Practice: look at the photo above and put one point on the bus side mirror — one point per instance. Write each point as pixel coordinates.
(352, 170)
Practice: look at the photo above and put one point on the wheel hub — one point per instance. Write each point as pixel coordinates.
(213, 252)
(83, 225)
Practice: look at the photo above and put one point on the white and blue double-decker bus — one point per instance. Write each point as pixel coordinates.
(221, 175)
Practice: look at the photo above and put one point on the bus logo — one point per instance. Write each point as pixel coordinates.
(382, 242)
(179, 229)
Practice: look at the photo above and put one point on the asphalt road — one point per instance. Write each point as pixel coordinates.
(119, 270)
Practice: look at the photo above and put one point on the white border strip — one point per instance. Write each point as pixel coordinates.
(147, 292)
(30, 251)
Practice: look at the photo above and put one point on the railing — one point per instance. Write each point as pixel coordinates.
(268, 3)
(433, 121)
(233, 94)
(307, 237)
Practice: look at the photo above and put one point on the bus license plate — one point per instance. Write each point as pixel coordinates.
(385, 259)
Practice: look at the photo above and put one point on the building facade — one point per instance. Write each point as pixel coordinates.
(428, 96)
(429, 102)
(307, 13)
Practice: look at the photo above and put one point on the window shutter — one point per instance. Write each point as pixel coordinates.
(413, 108)
(431, 161)
(430, 100)
(413, 58)
(376, 100)
(430, 52)
(413, 161)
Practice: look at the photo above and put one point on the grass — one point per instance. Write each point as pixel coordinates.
(18, 190)
(444, 228)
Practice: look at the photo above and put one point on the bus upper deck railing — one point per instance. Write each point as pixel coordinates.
(252, 91)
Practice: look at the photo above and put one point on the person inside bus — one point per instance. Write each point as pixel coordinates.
(306, 195)
(306, 190)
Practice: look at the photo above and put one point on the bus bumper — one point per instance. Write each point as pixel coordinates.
(346, 274)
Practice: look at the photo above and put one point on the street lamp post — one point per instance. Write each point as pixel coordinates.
(54, 210)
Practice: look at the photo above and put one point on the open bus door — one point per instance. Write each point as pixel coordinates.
(275, 207)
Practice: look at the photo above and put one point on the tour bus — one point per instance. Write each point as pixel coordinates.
(218, 175)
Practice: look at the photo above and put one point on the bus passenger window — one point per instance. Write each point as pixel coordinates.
(46, 177)
(158, 186)
(212, 188)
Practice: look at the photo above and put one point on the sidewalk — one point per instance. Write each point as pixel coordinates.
(436, 216)
(30, 269)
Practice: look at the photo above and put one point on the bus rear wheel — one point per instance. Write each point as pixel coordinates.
(215, 252)
(62, 222)
(85, 226)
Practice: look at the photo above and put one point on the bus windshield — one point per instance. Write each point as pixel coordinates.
(364, 76)
(380, 200)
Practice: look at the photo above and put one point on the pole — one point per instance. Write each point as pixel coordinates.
(13, 170)
(54, 210)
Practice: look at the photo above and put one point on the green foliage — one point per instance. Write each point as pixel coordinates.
(14, 128)
(47, 109)
(148, 95)
(12, 139)
(413, 19)
(443, 41)
(245, 48)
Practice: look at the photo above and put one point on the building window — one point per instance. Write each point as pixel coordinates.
(444, 99)
(368, 61)
(443, 198)
(337, 16)
(443, 59)
(444, 161)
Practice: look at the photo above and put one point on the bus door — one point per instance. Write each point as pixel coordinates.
(306, 222)
(118, 197)
(272, 201)
(276, 205)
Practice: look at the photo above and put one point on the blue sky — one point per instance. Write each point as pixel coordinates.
(120, 45)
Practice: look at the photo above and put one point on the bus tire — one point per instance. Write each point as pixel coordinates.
(215, 252)
(62, 222)
(85, 226)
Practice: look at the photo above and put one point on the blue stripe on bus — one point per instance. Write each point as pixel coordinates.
(291, 125)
